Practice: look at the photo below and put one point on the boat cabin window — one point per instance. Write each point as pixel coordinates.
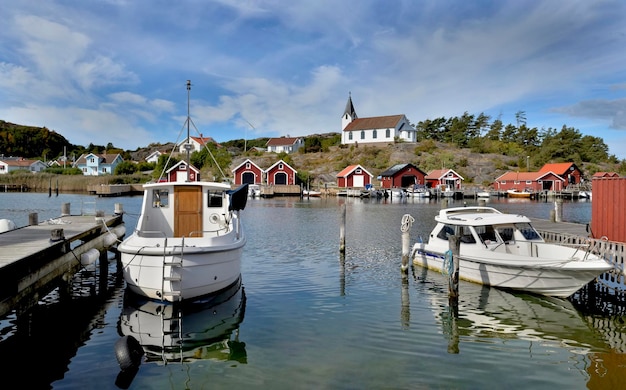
(486, 233)
(506, 233)
(465, 231)
(160, 198)
(466, 235)
(528, 231)
(445, 230)
(215, 198)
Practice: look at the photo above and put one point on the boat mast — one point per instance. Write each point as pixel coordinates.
(188, 144)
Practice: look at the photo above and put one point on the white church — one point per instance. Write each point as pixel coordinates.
(377, 129)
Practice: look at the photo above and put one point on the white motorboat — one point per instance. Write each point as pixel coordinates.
(188, 240)
(254, 190)
(504, 250)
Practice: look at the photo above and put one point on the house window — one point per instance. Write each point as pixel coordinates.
(350, 135)
(104, 170)
(503, 182)
(247, 165)
(516, 182)
(280, 166)
(358, 171)
(388, 133)
(529, 182)
(92, 160)
(362, 134)
(84, 170)
(1, 167)
(374, 135)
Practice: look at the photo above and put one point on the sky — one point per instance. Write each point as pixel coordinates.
(115, 71)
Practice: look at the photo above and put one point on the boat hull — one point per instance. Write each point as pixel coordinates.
(556, 278)
(175, 272)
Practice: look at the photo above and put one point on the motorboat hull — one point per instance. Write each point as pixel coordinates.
(504, 250)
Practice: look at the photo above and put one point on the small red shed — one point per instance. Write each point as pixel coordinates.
(568, 171)
(354, 176)
(447, 178)
(530, 181)
(402, 176)
(280, 174)
(178, 172)
(248, 173)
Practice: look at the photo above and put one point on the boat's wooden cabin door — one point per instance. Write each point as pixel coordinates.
(187, 211)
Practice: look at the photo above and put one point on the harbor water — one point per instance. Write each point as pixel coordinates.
(306, 318)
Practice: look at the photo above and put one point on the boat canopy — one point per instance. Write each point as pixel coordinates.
(478, 216)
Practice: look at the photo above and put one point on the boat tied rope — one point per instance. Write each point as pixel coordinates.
(407, 222)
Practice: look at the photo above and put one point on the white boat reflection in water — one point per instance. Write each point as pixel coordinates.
(175, 333)
(491, 313)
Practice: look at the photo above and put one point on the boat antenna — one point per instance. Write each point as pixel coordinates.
(188, 143)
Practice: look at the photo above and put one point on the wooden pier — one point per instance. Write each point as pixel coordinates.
(115, 189)
(36, 259)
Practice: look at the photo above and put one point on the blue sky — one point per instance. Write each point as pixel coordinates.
(115, 71)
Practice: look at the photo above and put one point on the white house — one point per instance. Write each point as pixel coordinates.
(197, 143)
(284, 144)
(11, 164)
(378, 129)
(154, 157)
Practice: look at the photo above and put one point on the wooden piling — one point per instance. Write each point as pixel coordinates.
(558, 210)
(405, 228)
(453, 277)
(65, 209)
(33, 219)
(342, 231)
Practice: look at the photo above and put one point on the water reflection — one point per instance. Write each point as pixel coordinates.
(205, 329)
(488, 313)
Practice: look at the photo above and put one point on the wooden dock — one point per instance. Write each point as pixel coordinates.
(38, 258)
(115, 189)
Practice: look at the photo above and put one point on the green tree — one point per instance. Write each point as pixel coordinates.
(125, 168)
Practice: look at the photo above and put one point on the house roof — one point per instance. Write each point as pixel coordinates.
(243, 163)
(376, 122)
(438, 174)
(20, 162)
(182, 162)
(282, 141)
(351, 168)
(526, 176)
(278, 162)
(606, 174)
(104, 158)
(397, 168)
(559, 168)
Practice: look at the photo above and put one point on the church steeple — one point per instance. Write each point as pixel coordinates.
(349, 114)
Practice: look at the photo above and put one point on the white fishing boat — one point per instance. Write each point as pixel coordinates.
(189, 238)
(505, 251)
(418, 192)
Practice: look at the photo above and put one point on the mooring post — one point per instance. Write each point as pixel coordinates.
(558, 210)
(453, 277)
(405, 228)
(119, 209)
(65, 209)
(444, 203)
(342, 231)
(33, 219)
